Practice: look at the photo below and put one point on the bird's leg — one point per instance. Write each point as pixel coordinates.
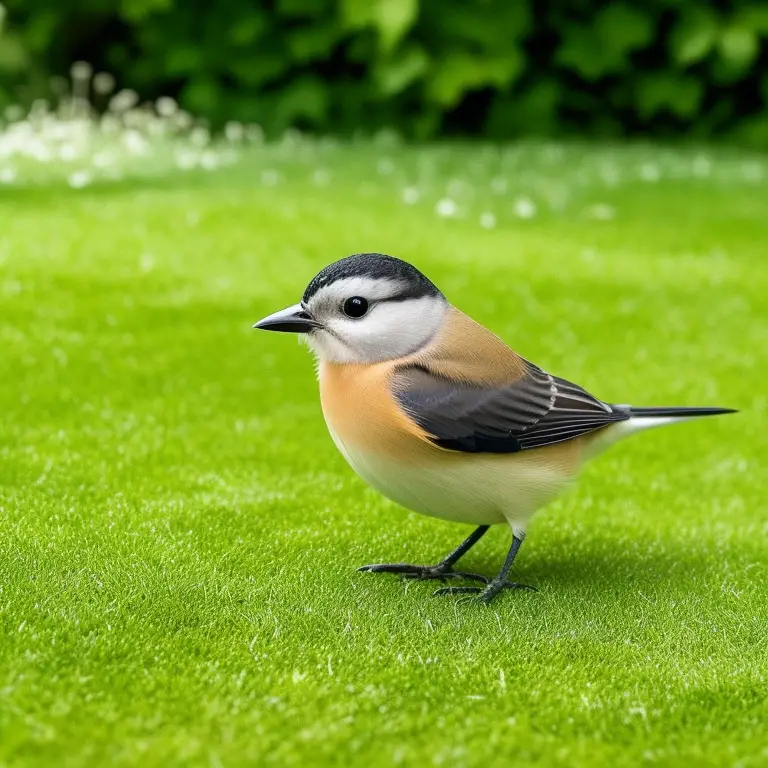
(493, 587)
(443, 570)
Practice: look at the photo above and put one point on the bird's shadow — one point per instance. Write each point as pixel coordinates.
(664, 566)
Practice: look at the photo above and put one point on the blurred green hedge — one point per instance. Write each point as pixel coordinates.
(498, 68)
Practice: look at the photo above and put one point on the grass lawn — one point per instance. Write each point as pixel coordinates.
(179, 537)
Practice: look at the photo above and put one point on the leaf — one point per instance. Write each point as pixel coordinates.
(182, 59)
(258, 67)
(13, 55)
(298, 8)
(305, 98)
(201, 95)
(738, 46)
(313, 41)
(395, 18)
(623, 27)
(426, 123)
(462, 72)
(589, 56)
(356, 14)
(694, 35)
(248, 28)
(533, 112)
(580, 52)
(40, 32)
(604, 46)
(754, 17)
(391, 18)
(679, 94)
(139, 10)
(397, 72)
(753, 132)
(493, 24)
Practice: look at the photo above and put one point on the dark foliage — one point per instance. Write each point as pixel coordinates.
(498, 68)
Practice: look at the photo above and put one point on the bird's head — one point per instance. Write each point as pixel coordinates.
(364, 309)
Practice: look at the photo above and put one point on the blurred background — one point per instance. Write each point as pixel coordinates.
(487, 68)
(178, 534)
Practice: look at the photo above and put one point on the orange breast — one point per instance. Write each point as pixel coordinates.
(359, 408)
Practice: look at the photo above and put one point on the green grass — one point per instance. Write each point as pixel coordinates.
(178, 536)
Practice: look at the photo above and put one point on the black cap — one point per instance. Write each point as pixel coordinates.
(376, 266)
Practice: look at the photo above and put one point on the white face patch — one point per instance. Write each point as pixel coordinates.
(392, 327)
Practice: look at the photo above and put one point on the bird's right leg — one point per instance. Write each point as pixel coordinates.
(442, 571)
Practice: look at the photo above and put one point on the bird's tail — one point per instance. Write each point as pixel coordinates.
(676, 413)
(641, 419)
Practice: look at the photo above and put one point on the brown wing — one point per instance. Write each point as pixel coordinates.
(534, 411)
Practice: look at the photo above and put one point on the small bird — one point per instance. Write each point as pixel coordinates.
(440, 415)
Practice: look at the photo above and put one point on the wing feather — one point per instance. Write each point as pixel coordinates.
(535, 411)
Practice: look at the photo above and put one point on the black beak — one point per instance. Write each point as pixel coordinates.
(293, 319)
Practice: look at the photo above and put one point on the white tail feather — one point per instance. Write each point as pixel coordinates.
(621, 429)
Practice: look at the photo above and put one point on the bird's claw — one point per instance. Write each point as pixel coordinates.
(484, 595)
(445, 575)
(422, 572)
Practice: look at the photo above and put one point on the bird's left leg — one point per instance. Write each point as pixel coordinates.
(493, 587)
(442, 571)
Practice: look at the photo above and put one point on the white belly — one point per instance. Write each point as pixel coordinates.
(482, 489)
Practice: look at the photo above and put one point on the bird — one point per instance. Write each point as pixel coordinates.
(438, 414)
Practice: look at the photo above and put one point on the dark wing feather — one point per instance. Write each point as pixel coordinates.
(535, 411)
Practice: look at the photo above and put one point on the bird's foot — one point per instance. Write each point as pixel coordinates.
(486, 594)
(423, 572)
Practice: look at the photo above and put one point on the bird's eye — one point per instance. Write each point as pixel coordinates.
(357, 306)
